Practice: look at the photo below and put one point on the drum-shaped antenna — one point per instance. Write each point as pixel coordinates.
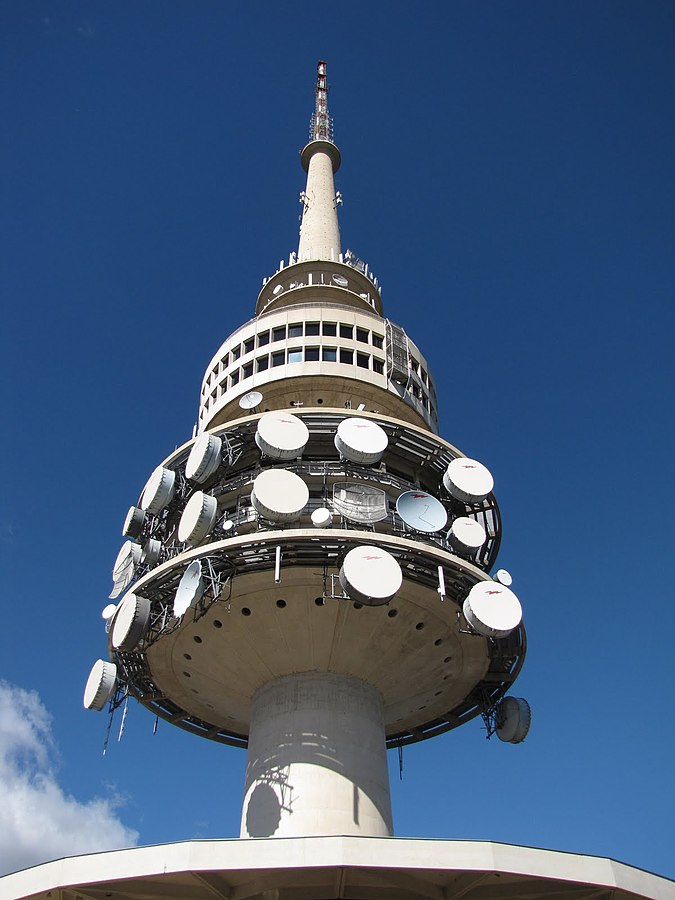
(131, 622)
(204, 458)
(134, 522)
(279, 495)
(108, 611)
(468, 480)
(503, 577)
(513, 718)
(361, 441)
(152, 550)
(421, 511)
(100, 685)
(281, 435)
(466, 535)
(370, 575)
(492, 609)
(190, 589)
(198, 519)
(322, 518)
(159, 490)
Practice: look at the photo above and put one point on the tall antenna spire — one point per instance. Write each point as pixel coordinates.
(321, 124)
(319, 231)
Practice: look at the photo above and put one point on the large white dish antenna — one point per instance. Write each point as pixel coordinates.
(281, 435)
(279, 495)
(190, 589)
(322, 518)
(513, 718)
(466, 535)
(360, 502)
(152, 550)
(251, 400)
(198, 518)
(204, 458)
(159, 490)
(492, 609)
(361, 441)
(370, 575)
(422, 511)
(468, 480)
(100, 685)
(134, 522)
(131, 622)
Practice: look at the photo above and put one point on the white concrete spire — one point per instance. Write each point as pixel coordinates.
(319, 230)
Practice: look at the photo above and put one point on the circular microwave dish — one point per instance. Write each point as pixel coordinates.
(281, 435)
(279, 495)
(513, 718)
(340, 280)
(134, 522)
(108, 611)
(466, 535)
(503, 577)
(250, 400)
(159, 490)
(198, 518)
(361, 441)
(204, 458)
(322, 518)
(421, 511)
(190, 589)
(370, 575)
(131, 622)
(492, 609)
(468, 480)
(100, 685)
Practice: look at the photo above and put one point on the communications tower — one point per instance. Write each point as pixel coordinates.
(308, 577)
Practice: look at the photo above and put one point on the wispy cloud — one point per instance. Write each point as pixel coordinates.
(38, 820)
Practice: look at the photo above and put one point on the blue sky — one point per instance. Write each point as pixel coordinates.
(508, 174)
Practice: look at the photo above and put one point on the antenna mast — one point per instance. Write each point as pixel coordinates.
(321, 124)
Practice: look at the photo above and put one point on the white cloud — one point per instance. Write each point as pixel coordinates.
(38, 821)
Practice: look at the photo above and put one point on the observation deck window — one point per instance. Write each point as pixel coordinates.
(234, 378)
(278, 358)
(295, 356)
(378, 341)
(249, 345)
(378, 366)
(311, 328)
(248, 370)
(415, 365)
(425, 379)
(236, 352)
(346, 356)
(329, 354)
(295, 330)
(262, 363)
(279, 334)
(263, 338)
(363, 360)
(346, 331)
(362, 335)
(330, 329)
(311, 354)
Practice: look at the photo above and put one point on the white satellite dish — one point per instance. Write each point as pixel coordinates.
(134, 522)
(198, 518)
(492, 609)
(159, 490)
(100, 685)
(124, 568)
(421, 511)
(109, 611)
(279, 495)
(131, 622)
(322, 518)
(361, 441)
(204, 458)
(468, 480)
(340, 280)
(466, 535)
(152, 550)
(513, 718)
(503, 577)
(251, 400)
(190, 589)
(370, 575)
(360, 502)
(281, 435)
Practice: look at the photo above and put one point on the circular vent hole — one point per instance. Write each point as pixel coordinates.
(392, 613)
(358, 605)
(186, 656)
(217, 623)
(197, 639)
(187, 674)
(281, 604)
(318, 601)
(438, 642)
(419, 626)
(447, 659)
(246, 611)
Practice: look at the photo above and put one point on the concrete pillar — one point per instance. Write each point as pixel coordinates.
(317, 763)
(319, 230)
